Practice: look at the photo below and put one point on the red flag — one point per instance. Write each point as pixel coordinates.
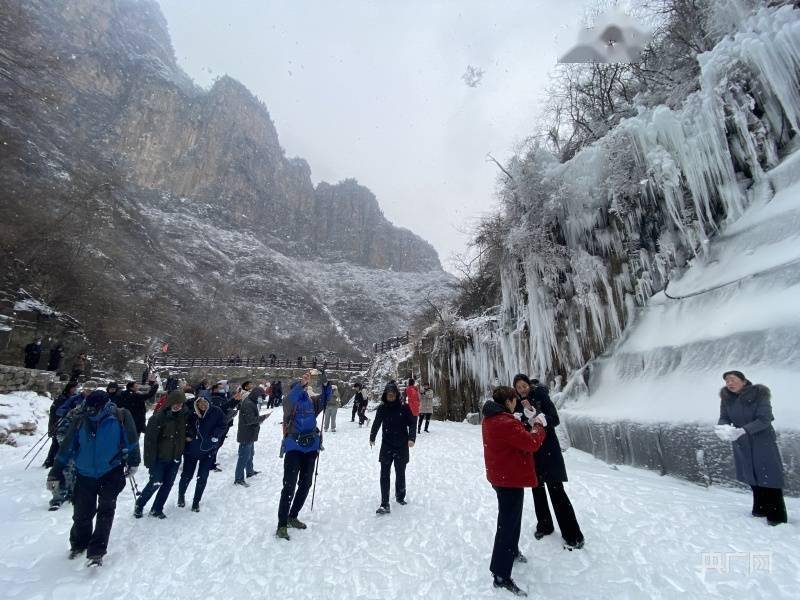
(165, 348)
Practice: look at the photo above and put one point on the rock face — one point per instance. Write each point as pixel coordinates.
(131, 195)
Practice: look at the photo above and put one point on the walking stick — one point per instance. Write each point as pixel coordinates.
(316, 472)
(44, 435)
(33, 458)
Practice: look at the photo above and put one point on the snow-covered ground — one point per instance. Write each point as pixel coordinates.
(647, 536)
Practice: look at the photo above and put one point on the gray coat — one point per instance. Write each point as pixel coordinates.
(249, 421)
(426, 403)
(758, 461)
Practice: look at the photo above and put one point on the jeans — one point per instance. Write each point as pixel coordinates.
(203, 464)
(565, 514)
(509, 525)
(298, 472)
(330, 418)
(399, 479)
(162, 476)
(95, 497)
(244, 464)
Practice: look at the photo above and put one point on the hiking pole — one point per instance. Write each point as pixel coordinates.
(134, 487)
(33, 458)
(45, 434)
(316, 472)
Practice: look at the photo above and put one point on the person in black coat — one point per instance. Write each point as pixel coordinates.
(56, 357)
(136, 402)
(550, 469)
(33, 352)
(204, 427)
(399, 434)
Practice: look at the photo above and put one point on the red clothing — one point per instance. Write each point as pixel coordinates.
(412, 394)
(508, 450)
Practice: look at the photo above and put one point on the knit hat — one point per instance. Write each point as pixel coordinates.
(175, 397)
(96, 400)
(90, 385)
(391, 386)
(738, 374)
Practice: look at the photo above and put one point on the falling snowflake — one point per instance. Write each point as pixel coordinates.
(472, 76)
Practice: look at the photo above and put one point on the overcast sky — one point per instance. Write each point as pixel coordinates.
(374, 90)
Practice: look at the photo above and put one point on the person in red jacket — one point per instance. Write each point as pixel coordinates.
(508, 452)
(412, 396)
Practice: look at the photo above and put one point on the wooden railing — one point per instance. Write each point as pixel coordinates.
(391, 343)
(337, 364)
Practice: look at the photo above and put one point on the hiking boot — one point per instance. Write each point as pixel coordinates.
(253, 474)
(181, 501)
(195, 507)
(574, 545)
(383, 509)
(76, 552)
(296, 523)
(540, 534)
(137, 511)
(54, 504)
(241, 482)
(508, 584)
(283, 533)
(402, 502)
(520, 558)
(158, 514)
(216, 468)
(94, 561)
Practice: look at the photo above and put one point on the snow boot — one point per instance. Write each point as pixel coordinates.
(283, 533)
(540, 534)
(181, 501)
(574, 545)
(508, 584)
(137, 511)
(54, 505)
(402, 502)
(195, 507)
(296, 523)
(158, 515)
(241, 482)
(216, 468)
(253, 474)
(94, 561)
(383, 509)
(76, 552)
(520, 558)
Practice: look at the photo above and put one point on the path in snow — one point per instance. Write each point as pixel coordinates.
(645, 535)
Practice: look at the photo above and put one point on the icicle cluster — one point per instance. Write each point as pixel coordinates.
(593, 238)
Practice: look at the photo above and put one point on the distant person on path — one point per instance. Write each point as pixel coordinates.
(508, 451)
(103, 443)
(425, 408)
(745, 420)
(412, 395)
(550, 468)
(357, 388)
(333, 402)
(56, 357)
(247, 435)
(204, 426)
(80, 367)
(65, 402)
(164, 442)
(301, 446)
(276, 395)
(399, 432)
(33, 352)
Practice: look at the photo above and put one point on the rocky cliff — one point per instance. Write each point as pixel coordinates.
(147, 206)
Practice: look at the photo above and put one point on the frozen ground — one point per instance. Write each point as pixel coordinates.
(646, 536)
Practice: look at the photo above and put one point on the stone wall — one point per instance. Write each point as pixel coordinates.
(687, 451)
(16, 379)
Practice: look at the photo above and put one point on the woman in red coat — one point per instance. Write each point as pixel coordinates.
(508, 452)
(412, 396)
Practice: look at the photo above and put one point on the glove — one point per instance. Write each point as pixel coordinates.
(541, 419)
(131, 471)
(52, 485)
(215, 440)
(529, 413)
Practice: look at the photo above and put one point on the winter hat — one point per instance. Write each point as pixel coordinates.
(175, 397)
(738, 374)
(89, 385)
(96, 400)
(391, 386)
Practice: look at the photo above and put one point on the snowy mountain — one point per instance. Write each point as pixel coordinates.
(171, 212)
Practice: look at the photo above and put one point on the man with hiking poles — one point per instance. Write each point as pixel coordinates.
(103, 442)
(300, 448)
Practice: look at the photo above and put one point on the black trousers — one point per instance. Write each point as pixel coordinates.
(203, 464)
(51, 454)
(565, 514)
(768, 502)
(399, 479)
(509, 525)
(95, 497)
(298, 474)
(355, 410)
(427, 418)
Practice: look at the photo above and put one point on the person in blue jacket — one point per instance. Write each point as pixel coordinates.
(102, 440)
(65, 402)
(301, 446)
(204, 428)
